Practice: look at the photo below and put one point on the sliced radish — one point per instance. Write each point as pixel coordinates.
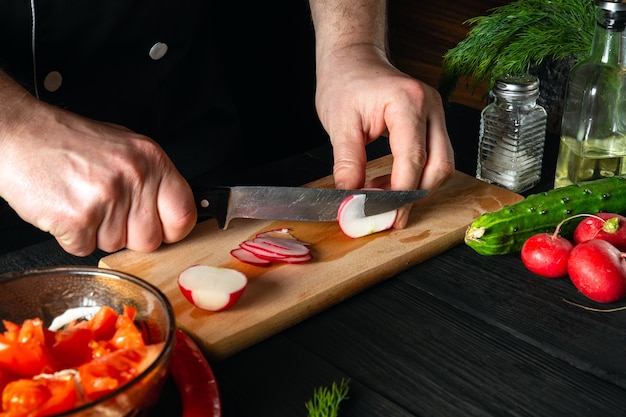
(283, 242)
(283, 233)
(280, 246)
(353, 221)
(212, 288)
(277, 245)
(248, 257)
(296, 259)
(260, 252)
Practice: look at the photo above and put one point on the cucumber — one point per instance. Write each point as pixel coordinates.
(506, 230)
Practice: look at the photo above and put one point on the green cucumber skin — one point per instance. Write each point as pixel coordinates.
(506, 230)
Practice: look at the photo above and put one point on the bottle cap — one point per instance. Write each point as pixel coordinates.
(612, 5)
(516, 83)
(612, 15)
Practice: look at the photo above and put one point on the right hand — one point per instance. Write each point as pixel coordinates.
(91, 184)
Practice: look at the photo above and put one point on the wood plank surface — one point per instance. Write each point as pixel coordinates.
(446, 362)
(294, 371)
(459, 334)
(282, 295)
(534, 309)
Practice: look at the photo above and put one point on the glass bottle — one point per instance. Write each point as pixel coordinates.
(593, 129)
(512, 134)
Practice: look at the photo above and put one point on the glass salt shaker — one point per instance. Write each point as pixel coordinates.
(512, 134)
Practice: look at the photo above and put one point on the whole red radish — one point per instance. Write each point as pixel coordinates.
(547, 254)
(598, 270)
(605, 226)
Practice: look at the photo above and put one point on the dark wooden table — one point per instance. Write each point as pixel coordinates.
(458, 335)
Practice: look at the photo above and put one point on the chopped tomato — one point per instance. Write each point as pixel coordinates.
(127, 335)
(130, 312)
(72, 347)
(23, 348)
(24, 359)
(105, 374)
(103, 323)
(100, 348)
(40, 369)
(5, 378)
(39, 397)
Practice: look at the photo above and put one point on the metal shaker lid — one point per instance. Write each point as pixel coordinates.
(524, 83)
(612, 5)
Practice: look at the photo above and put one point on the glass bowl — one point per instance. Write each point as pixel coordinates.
(62, 294)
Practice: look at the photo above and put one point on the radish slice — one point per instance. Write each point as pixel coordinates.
(353, 221)
(283, 242)
(296, 259)
(277, 245)
(248, 257)
(284, 247)
(260, 252)
(283, 233)
(212, 288)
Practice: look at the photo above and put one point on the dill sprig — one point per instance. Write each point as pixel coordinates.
(516, 38)
(325, 401)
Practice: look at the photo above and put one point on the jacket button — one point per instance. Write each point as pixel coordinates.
(158, 51)
(53, 81)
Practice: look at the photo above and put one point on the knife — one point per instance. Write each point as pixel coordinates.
(292, 203)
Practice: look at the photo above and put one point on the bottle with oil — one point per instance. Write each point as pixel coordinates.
(593, 129)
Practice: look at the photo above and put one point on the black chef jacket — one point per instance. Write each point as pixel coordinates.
(146, 64)
(151, 65)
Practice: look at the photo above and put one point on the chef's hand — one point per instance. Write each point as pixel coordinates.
(360, 97)
(90, 184)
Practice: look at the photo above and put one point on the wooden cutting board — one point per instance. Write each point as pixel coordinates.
(281, 295)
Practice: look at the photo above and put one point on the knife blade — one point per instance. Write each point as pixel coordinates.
(292, 203)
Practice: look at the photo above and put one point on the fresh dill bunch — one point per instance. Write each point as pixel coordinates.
(516, 38)
(325, 401)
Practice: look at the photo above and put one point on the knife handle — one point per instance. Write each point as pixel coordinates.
(213, 203)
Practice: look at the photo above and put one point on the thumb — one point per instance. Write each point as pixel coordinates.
(350, 160)
(176, 207)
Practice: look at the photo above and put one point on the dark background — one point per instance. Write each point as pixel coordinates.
(268, 55)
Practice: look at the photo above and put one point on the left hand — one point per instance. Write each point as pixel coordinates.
(360, 97)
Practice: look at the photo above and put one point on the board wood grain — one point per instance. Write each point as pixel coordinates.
(281, 295)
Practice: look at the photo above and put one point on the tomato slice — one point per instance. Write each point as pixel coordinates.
(39, 397)
(31, 329)
(127, 334)
(72, 347)
(106, 373)
(103, 323)
(23, 349)
(24, 359)
(5, 378)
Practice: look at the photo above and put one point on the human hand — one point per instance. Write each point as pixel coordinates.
(92, 184)
(360, 97)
